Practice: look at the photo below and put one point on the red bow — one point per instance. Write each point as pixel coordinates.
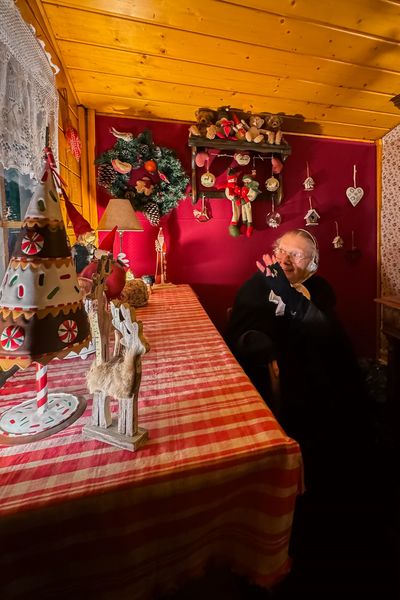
(226, 125)
(241, 194)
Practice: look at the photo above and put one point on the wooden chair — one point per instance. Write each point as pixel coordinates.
(273, 374)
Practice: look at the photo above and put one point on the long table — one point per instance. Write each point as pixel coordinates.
(215, 484)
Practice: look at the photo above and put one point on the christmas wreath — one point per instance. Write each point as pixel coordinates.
(150, 176)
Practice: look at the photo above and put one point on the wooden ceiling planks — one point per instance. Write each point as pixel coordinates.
(330, 67)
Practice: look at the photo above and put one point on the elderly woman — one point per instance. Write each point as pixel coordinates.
(284, 316)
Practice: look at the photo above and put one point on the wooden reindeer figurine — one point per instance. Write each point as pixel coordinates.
(99, 312)
(120, 378)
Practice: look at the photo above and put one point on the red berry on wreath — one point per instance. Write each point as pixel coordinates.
(150, 166)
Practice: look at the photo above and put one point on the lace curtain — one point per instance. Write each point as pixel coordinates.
(28, 95)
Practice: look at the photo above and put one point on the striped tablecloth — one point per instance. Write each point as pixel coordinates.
(215, 483)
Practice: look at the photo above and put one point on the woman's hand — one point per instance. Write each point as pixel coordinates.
(265, 268)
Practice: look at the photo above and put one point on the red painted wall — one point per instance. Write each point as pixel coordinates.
(215, 264)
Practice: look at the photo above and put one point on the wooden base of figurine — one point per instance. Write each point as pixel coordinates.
(23, 423)
(111, 436)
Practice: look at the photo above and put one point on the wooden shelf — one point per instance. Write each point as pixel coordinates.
(281, 150)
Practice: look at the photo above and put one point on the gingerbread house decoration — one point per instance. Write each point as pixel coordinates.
(312, 217)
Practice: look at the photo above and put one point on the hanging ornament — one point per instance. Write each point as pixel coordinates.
(277, 165)
(207, 179)
(70, 133)
(354, 194)
(272, 183)
(242, 159)
(150, 166)
(337, 240)
(273, 218)
(201, 159)
(311, 217)
(202, 215)
(354, 253)
(73, 141)
(309, 182)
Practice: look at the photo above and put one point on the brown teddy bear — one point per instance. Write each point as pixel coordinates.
(273, 125)
(205, 126)
(254, 133)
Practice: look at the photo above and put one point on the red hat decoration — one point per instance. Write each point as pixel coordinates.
(79, 223)
(108, 242)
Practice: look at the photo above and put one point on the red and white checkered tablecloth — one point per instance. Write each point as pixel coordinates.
(215, 483)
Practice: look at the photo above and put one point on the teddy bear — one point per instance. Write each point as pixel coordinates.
(225, 124)
(254, 133)
(273, 125)
(205, 126)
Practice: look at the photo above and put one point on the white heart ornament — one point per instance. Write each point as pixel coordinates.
(242, 159)
(354, 194)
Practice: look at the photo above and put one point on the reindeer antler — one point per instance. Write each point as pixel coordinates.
(131, 330)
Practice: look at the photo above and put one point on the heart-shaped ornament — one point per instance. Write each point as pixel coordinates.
(242, 159)
(354, 194)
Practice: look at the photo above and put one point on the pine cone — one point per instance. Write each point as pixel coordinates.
(106, 175)
(152, 212)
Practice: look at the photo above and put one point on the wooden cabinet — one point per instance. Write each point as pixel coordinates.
(281, 151)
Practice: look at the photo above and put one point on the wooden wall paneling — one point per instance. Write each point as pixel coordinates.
(82, 129)
(91, 155)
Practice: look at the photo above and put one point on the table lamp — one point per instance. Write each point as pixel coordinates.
(119, 212)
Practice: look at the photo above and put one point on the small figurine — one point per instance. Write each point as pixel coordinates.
(161, 263)
(337, 240)
(84, 248)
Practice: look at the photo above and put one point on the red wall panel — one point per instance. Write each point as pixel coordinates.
(215, 264)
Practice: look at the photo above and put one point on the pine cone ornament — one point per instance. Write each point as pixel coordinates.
(106, 175)
(152, 212)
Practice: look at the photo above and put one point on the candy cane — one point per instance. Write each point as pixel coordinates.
(41, 387)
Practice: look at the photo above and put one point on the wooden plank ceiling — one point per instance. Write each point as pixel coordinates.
(329, 66)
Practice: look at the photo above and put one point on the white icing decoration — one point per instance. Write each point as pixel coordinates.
(52, 209)
(36, 296)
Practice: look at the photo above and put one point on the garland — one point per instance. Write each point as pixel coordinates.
(150, 176)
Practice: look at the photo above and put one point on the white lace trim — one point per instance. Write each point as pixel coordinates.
(28, 95)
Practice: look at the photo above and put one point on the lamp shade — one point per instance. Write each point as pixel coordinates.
(119, 213)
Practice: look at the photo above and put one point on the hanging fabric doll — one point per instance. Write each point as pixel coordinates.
(251, 191)
(241, 198)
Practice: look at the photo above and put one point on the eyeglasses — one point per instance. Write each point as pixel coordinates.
(294, 255)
